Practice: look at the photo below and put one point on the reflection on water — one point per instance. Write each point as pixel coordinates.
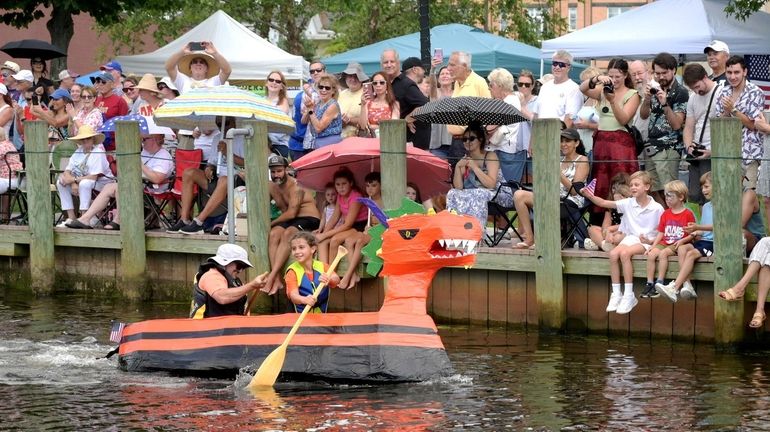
(53, 377)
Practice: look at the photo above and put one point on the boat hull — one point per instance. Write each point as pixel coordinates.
(366, 346)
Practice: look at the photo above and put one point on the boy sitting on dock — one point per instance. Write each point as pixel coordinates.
(639, 223)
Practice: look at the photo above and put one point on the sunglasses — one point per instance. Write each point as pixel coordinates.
(128, 89)
(6, 74)
(525, 85)
(326, 88)
(198, 61)
(99, 81)
(275, 80)
(36, 62)
(315, 71)
(469, 138)
(87, 97)
(559, 64)
(379, 82)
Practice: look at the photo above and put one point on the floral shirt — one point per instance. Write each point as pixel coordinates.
(750, 102)
(659, 129)
(92, 118)
(13, 160)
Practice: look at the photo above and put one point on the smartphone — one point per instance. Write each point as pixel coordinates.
(368, 92)
(196, 46)
(438, 54)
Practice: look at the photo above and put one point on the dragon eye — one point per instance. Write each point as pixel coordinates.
(408, 234)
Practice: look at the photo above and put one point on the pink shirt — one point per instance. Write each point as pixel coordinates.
(344, 203)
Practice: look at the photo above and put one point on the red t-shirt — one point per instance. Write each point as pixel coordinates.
(111, 106)
(672, 225)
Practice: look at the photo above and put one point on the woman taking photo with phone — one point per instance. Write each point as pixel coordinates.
(381, 105)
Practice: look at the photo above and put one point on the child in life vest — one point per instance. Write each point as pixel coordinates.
(306, 273)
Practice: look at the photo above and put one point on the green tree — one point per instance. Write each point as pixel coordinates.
(742, 9)
(20, 13)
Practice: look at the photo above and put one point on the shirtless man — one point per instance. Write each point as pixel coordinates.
(298, 212)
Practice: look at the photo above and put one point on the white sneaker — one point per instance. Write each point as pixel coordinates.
(64, 223)
(628, 303)
(607, 246)
(589, 244)
(687, 292)
(668, 291)
(612, 306)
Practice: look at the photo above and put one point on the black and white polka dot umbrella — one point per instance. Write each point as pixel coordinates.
(463, 110)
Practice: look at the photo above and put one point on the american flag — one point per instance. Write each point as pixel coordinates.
(759, 74)
(591, 186)
(117, 331)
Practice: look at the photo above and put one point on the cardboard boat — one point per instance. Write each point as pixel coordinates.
(398, 343)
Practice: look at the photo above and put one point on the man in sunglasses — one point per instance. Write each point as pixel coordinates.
(218, 287)
(560, 98)
(296, 140)
(198, 66)
(110, 104)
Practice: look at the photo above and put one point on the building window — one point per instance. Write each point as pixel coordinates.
(536, 14)
(572, 18)
(617, 10)
(503, 23)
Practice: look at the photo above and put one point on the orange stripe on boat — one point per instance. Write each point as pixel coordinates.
(274, 339)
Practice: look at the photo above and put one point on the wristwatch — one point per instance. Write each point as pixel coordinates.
(734, 111)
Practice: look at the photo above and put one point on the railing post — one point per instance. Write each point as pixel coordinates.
(40, 209)
(726, 142)
(393, 162)
(133, 252)
(548, 273)
(258, 204)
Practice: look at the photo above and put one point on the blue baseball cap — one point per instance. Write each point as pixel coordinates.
(61, 93)
(112, 65)
(103, 75)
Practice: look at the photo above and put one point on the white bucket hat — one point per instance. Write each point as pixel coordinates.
(228, 253)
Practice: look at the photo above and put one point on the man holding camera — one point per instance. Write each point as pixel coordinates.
(697, 135)
(666, 110)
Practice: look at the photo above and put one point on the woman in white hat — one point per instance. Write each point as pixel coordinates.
(87, 170)
(353, 78)
(198, 66)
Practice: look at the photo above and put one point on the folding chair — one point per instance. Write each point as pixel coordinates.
(498, 210)
(11, 198)
(573, 224)
(159, 202)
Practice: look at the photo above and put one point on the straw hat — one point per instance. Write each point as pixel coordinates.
(148, 83)
(184, 63)
(86, 131)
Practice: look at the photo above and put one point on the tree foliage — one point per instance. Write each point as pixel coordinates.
(742, 9)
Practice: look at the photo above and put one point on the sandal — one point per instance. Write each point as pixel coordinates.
(522, 245)
(113, 226)
(758, 320)
(76, 224)
(731, 295)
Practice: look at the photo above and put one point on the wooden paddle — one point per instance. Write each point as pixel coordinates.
(273, 363)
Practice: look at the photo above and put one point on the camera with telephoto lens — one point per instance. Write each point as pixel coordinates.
(609, 88)
(697, 150)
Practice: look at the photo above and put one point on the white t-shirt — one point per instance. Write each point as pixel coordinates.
(93, 163)
(184, 83)
(507, 135)
(208, 143)
(696, 109)
(159, 162)
(558, 100)
(221, 159)
(637, 220)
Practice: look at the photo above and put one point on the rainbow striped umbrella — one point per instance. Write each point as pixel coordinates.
(201, 106)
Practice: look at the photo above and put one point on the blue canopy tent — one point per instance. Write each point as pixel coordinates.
(488, 51)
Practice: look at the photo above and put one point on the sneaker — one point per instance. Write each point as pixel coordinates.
(687, 292)
(589, 244)
(192, 228)
(627, 303)
(64, 223)
(607, 246)
(669, 290)
(177, 227)
(648, 289)
(612, 306)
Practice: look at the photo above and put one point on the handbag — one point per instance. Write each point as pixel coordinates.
(636, 134)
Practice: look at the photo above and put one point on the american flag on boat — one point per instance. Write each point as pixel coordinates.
(116, 332)
(759, 74)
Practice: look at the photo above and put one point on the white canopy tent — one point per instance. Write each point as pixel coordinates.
(675, 26)
(250, 56)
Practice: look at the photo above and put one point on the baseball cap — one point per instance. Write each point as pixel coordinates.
(103, 75)
(66, 73)
(571, 134)
(24, 75)
(718, 46)
(228, 253)
(112, 65)
(276, 160)
(11, 66)
(410, 63)
(61, 93)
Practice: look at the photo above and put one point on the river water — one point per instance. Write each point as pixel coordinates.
(53, 377)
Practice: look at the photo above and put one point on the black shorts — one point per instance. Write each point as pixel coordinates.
(705, 247)
(302, 223)
(359, 225)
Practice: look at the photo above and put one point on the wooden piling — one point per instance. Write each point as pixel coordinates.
(548, 271)
(133, 253)
(257, 203)
(393, 162)
(726, 143)
(40, 210)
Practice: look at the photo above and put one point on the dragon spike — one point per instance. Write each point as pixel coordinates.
(376, 210)
(431, 212)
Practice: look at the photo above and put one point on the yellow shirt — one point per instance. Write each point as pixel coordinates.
(474, 85)
(350, 104)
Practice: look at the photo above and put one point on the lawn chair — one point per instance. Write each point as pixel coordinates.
(158, 203)
(574, 227)
(508, 214)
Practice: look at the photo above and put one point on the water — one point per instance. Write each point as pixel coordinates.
(53, 377)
